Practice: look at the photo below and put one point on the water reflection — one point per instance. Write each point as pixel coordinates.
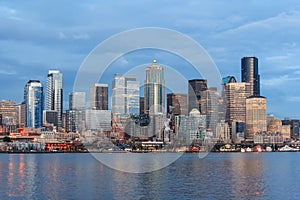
(15, 176)
(217, 176)
(247, 176)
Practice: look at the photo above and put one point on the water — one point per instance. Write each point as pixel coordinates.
(217, 176)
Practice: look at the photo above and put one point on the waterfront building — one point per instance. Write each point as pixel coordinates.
(256, 116)
(294, 127)
(249, 68)
(154, 89)
(99, 96)
(189, 129)
(33, 97)
(195, 93)
(8, 110)
(54, 95)
(77, 101)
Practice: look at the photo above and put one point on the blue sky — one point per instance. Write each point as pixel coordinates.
(36, 36)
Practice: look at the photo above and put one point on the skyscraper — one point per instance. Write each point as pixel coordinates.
(176, 105)
(125, 95)
(33, 97)
(99, 96)
(195, 93)
(236, 94)
(154, 89)
(77, 101)
(256, 116)
(75, 116)
(54, 96)
(250, 74)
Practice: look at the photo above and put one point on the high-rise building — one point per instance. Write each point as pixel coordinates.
(256, 116)
(33, 97)
(154, 89)
(77, 100)
(125, 95)
(210, 106)
(177, 104)
(54, 95)
(250, 74)
(195, 93)
(235, 99)
(99, 96)
(75, 116)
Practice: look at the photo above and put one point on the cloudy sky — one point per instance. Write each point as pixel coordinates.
(36, 36)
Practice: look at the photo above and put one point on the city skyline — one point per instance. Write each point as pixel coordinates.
(51, 40)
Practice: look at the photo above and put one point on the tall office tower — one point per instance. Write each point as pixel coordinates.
(54, 95)
(236, 94)
(125, 95)
(99, 96)
(210, 100)
(75, 116)
(176, 105)
(250, 74)
(256, 116)
(154, 89)
(195, 93)
(77, 101)
(33, 97)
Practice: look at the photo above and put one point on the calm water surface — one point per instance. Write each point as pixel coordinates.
(217, 176)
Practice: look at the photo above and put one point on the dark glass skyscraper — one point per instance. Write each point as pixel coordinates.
(195, 93)
(250, 74)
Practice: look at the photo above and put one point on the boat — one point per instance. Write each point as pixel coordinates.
(287, 148)
(243, 150)
(269, 149)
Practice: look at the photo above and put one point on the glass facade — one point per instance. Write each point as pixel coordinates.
(126, 95)
(154, 89)
(250, 74)
(99, 96)
(54, 95)
(33, 96)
